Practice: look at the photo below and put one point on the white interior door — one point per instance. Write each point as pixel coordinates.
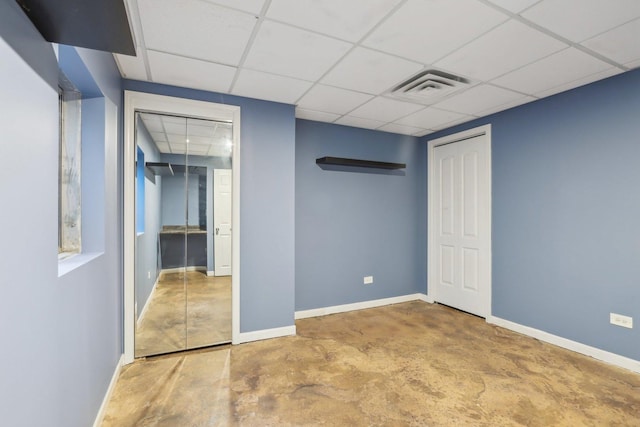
(462, 224)
(222, 221)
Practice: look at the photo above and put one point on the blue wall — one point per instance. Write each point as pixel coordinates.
(62, 334)
(267, 205)
(358, 222)
(565, 208)
(174, 199)
(147, 243)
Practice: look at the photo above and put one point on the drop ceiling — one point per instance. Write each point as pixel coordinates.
(338, 61)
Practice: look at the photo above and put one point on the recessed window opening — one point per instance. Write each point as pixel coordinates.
(69, 169)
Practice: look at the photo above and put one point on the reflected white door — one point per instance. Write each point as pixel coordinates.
(462, 224)
(222, 221)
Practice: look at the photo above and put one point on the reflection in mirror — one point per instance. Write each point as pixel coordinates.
(183, 219)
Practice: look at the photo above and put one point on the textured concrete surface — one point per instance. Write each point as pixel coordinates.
(187, 310)
(412, 364)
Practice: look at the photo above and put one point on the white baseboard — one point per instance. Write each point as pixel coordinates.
(146, 304)
(315, 312)
(114, 378)
(211, 273)
(266, 334)
(596, 353)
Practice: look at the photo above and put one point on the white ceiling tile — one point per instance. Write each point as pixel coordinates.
(158, 136)
(177, 146)
(318, 116)
(359, 122)
(253, 6)
(292, 52)
(555, 70)
(256, 84)
(385, 109)
(633, 64)
(478, 98)
(176, 139)
(430, 118)
(200, 130)
(424, 132)
(192, 73)
(173, 119)
(348, 20)
(428, 30)
(369, 71)
(515, 6)
(621, 44)
(401, 129)
(332, 99)
(152, 125)
(176, 128)
(132, 67)
(163, 147)
(503, 49)
(452, 123)
(580, 82)
(578, 20)
(520, 101)
(201, 140)
(196, 29)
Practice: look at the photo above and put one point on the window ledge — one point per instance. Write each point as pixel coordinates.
(72, 262)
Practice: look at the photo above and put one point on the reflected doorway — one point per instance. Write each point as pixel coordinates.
(183, 245)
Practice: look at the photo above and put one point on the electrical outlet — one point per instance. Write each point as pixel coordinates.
(368, 280)
(620, 320)
(148, 275)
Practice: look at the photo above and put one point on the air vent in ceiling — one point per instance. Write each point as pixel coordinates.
(429, 86)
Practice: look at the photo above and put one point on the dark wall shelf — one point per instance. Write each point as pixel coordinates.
(96, 24)
(164, 168)
(341, 161)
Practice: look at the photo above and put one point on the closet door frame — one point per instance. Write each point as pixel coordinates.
(139, 101)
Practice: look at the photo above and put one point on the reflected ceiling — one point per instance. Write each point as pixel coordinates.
(196, 137)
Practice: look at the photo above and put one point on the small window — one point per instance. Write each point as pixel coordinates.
(69, 169)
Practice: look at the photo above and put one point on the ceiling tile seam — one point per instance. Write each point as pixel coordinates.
(139, 35)
(353, 47)
(166, 136)
(256, 28)
(388, 121)
(637, 18)
(179, 55)
(316, 111)
(271, 73)
(519, 92)
(542, 58)
(333, 37)
(492, 81)
(469, 42)
(556, 36)
(548, 89)
(226, 6)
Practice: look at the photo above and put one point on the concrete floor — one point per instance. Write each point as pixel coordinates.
(186, 310)
(411, 364)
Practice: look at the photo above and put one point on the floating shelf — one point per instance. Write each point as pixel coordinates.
(163, 168)
(341, 161)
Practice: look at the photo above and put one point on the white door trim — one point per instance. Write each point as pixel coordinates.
(170, 105)
(431, 145)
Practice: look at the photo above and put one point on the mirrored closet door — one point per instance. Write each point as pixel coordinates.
(183, 233)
